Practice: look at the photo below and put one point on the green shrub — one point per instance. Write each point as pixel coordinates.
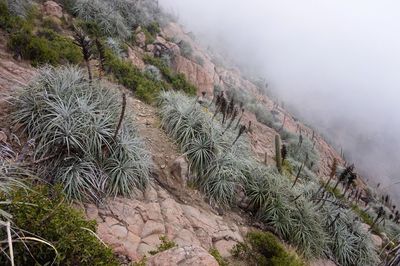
(46, 47)
(217, 256)
(7, 20)
(132, 78)
(263, 248)
(45, 213)
(176, 81)
(165, 245)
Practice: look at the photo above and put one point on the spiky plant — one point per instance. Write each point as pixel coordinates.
(85, 43)
(109, 20)
(344, 175)
(19, 7)
(221, 181)
(202, 151)
(75, 124)
(300, 152)
(278, 154)
(307, 231)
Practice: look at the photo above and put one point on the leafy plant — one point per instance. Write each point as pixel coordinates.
(263, 248)
(165, 245)
(109, 20)
(74, 124)
(44, 212)
(217, 256)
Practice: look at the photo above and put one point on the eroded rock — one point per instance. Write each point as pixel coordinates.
(183, 256)
(51, 8)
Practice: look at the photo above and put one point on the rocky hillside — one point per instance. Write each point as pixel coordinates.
(131, 163)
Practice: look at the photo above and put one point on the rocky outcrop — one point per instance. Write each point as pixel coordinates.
(135, 57)
(180, 169)
(183, 256)
(132, 227)
(52, 9)
(195, 73)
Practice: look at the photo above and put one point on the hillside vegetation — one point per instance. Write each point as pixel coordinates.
(76, 142)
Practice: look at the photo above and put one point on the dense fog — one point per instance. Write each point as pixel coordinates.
(336, 63)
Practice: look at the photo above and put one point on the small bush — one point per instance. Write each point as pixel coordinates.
(176, 81)
(45, 213)
(262, 114)
(132, 78)
(186, 48)
(165, 245)
(217, 256)
(47, 47)
(263, 248)
(105, 15)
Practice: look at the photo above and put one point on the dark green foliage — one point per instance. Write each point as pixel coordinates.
(44, 47)
(263, 248)
(131, 77)
(8, 21)
(176, 81)
(217, 256)
(165, 245)
(41, 47)
(153, 28)
(46, 213)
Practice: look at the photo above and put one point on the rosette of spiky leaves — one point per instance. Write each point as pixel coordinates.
(221, 181)
(6, 152)
(202, 151)
(366, 250)
(262, 187)
(300, 152)
(305, 175)
(109, 20)
(277, 214)
(19, 7)
(73, 122)
(350, 244)
(307, 231)
(81, 179)
(128, 165)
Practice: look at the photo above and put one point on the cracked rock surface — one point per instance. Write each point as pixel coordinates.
(132, 227)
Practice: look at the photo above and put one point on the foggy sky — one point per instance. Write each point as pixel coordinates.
(337, 62)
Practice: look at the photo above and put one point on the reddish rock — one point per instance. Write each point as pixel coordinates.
(183, 256)
(51, 8)
(195, 73)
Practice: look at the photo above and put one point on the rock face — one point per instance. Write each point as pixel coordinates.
(132, 227)
(141, 39)
(377, 240)
(195, 73)
(135, 57)
(179, 169)
(51, 8)
(184, 256)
